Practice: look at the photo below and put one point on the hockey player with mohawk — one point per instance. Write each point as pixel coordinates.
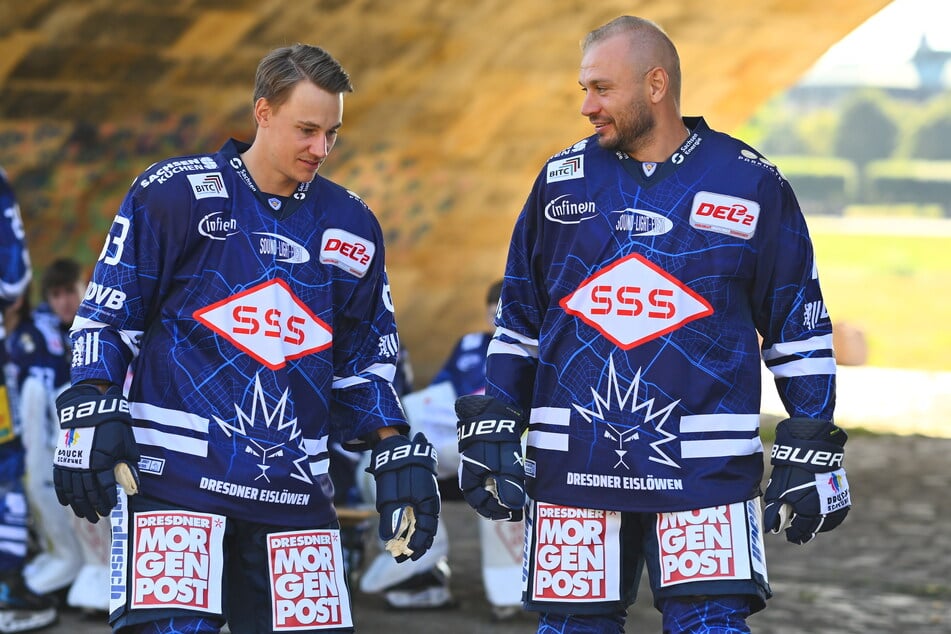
(250, 298)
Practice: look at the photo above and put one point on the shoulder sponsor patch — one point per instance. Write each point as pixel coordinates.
(282, 248)
(640, 222)
(348, 251)
(567, 211)
(209, 185)
(724, 214)
(565, 169)
(217, 226)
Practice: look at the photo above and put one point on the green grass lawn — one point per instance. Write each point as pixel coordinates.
(896, 288)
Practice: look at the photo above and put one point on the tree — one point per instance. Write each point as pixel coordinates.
(932, 140)
(866, 132)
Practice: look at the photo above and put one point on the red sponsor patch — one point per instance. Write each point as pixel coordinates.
(706, 544)
(576, 554)
(268, 322)
(632, 301)
(347, 251)
(177, 560)
(728, 215)
(306, 571)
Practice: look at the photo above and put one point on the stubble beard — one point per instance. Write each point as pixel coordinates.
(634, 130)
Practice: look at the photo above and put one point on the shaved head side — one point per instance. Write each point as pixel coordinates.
(650, 46)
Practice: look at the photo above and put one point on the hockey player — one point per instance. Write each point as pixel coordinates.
(20, 608)
(74, 553)
(250, 296)
(641, 268)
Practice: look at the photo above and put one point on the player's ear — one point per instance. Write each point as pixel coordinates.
(262, 112)
(658, 83)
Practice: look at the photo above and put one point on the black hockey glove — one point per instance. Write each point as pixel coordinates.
(407, 495)
(808, 492)
(491, 466)
(95, 447)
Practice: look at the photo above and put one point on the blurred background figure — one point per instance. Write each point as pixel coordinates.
(425, 583)
(20, 609)
(72, 554)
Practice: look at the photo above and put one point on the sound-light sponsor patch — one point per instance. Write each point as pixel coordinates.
(575, 554)
(177, 560)
(306, 571)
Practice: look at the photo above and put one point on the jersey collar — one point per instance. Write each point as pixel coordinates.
(647, 177)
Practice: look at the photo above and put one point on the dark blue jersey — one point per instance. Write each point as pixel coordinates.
(464, 368)
(39, 347)
(258, 328)
(15, 269)
(633, 302)
(15, 274)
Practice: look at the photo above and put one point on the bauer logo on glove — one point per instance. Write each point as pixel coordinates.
(808, 492)
(491, 466)
(407, 495)
(95, 450)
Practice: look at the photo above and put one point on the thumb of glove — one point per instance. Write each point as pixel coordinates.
(777, 516)
(507, 491)
(127, 476)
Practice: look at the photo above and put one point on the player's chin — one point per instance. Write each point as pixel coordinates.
(307, 171)
(606, 140)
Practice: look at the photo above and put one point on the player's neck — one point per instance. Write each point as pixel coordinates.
(268, 180)
(666, 138)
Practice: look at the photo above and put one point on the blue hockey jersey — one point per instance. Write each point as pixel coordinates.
(627, 330)
(258, 328)
(15, 275)
(39, 347)
(15, 270)
(464, 368)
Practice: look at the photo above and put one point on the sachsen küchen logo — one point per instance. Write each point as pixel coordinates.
(268, 322)
(632, 301)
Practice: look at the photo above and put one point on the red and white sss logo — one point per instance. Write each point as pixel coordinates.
(632, 301)
(268, 322)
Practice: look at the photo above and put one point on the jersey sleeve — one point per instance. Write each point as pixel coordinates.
(512, 358)
(790, 313)
(366, 345)
(134, 265)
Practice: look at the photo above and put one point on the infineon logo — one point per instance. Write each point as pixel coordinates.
(569, 212)
(269, 323)
(632, 301)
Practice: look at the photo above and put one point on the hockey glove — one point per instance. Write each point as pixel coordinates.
(491, 471)
(807, 492)
(407, 495)
(95, 447)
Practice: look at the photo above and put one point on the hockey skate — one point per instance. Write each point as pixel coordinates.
(60, 558)
(90, 591)
(428, 590)
(413, 585)
(22, 610)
